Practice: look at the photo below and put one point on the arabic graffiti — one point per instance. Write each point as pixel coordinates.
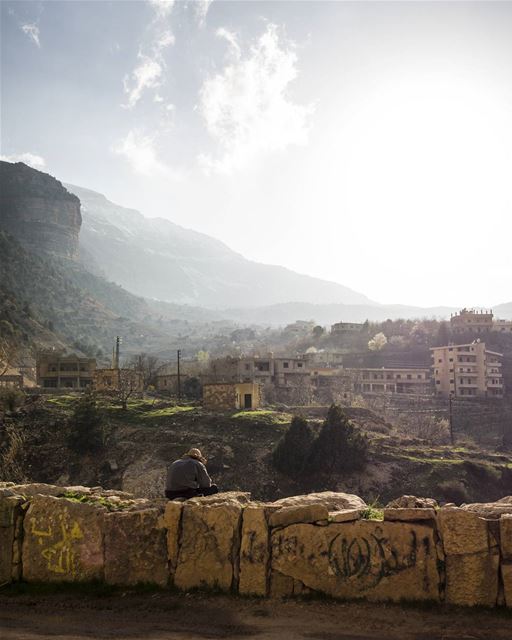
(58, 544)
(366, 560)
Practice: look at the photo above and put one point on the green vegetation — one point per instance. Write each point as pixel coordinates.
(111, 505)
(263, 415)
(293, 450)
(85, 426)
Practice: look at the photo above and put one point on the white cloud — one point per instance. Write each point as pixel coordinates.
(201, 8)
(247, 109)
(32, 159)
(140, 152)
(32, 31)
(149, 71)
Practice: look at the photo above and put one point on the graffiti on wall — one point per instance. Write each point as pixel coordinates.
(366, 559)
(57, 543)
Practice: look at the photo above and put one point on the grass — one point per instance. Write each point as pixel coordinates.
(85, 498)
(263, 415)
(373, 511)
(165, 412)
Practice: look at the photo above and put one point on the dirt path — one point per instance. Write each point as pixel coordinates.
(162, 616)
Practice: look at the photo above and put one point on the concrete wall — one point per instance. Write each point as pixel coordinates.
(295, 546)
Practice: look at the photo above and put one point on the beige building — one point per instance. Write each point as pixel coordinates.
(280, 371)
(167, 375)
(502, 326)
(60, 370)
(467, 370)
(392, 380)
(343, 327)
(227, 396)
(111, 380)
(472, 321)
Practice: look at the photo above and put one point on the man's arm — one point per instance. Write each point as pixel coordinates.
(203, 479)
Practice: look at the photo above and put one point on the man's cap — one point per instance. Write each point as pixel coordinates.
(196, 454)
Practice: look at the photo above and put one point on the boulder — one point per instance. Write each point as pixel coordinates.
(233, 497)
(363, 559)
(11, 521)
(302, 513)
(254, 552)
(210, 544)
(412, 502)
(472, 579)
(409, 514)
(331, 500)
(135, 548)
(62, 541)
(491, 510)
(38, 488)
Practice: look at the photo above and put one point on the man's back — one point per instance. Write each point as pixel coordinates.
(187, 473)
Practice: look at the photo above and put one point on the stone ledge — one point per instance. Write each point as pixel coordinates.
(404, 514)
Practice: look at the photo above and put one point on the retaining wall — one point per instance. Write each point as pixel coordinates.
(301, 545)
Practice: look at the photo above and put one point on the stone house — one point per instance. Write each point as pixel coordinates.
(110, 380)
(56, 369)
(229, 396)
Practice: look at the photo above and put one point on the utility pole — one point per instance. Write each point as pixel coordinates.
(179, 377)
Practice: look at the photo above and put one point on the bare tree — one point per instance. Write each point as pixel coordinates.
(9, 352)
(128, 384)
(147, 366)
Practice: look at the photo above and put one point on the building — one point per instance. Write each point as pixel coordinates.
(12, 378)
(279, 371)
(56, 369)
(476, 321)
(340, 328)
(502, 326)
(392, 380)
(226, 396)
(467, 370)
(167, 375)
(111, 380)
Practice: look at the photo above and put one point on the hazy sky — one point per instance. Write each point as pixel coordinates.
(367, 143)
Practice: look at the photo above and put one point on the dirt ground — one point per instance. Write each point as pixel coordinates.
(158, 616)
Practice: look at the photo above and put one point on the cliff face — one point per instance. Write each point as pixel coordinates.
(37, 210)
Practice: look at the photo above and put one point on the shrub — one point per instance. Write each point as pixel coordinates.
(11, 398)
(340, 446)
(86, 434)
(293, 450)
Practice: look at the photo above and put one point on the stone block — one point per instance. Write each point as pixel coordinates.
(38, 488)
(171, 521)
(506, 537)
(345, 515)
(62, 541)
(472, 579)
(506, 574)
(409, 515)
(11, 515)
(331, 500)
(281, 586)
(363, 559)
(254, 552)
(293, 515)
(462, 532)
(135, 548)
(210, 546)
(237, 497)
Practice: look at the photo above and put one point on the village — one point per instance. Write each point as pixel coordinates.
(464, 368)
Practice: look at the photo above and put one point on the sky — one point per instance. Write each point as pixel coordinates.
(360, 142)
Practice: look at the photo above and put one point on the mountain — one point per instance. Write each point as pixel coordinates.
(158, 259)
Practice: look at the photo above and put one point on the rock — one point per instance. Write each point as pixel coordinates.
(281, 586)
(145, 478)
(296, 514)
(63, 541)
(210, 544)
(135, 548)
(172, 522)
(254, 552)
(506, 537)
(362, 559)
(409, 514)
(472, 579)
(412, 502)
(331, 500)
(233, 497)
(7, 493)
(11, 518)
(345, 515)
(491, 510)
(462, 532)
(38, 488)
(506, 573)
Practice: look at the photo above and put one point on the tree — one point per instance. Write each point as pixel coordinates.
(294, 448)
(318, 331)
(85, 434)
(127, 385)
(147, 366)
(340, 447)
(192, 388)
(378, 342)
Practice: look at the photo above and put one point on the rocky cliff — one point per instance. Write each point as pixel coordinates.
(37, 210)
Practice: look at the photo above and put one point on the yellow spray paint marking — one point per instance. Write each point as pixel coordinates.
(60, 557)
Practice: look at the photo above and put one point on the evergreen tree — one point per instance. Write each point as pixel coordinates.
(340, 447)
(294, 448)
(85, 435)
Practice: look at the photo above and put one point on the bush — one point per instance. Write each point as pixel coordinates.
(86, 433)
(11, 398)
(293, 450)
(340, 447)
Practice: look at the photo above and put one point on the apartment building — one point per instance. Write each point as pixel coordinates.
(280, 371)
(476, 321)
(467, 370)
(392, 380)
(340, 328)
(56, 369)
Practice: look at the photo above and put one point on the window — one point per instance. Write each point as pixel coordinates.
(451, 359)
(247, 367)
(299, 365)
(285, 365)
(409, 377)
(438, 381)
(419, 376)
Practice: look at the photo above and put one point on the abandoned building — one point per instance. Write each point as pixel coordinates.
(111, 380)
(56, 369)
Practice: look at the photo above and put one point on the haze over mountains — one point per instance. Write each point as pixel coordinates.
(158, 259)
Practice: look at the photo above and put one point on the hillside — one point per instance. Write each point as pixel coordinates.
(158, 259)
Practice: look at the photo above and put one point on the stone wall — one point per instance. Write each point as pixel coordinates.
(319, 543)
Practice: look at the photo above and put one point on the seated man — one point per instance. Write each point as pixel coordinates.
(188, 477)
